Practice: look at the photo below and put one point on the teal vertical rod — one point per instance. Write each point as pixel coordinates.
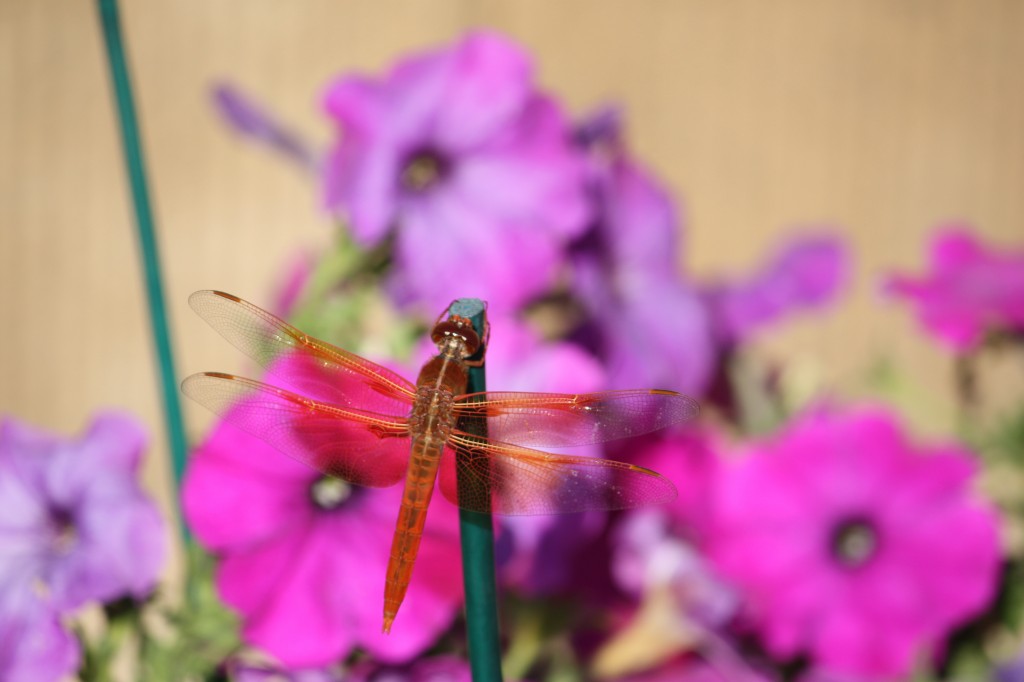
(477, 534)
(147, 238)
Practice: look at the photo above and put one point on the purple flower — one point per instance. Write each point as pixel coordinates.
(854, 546)
(437, 669)
(251, 120)
(458, 155)
(648, 326)
(74, 518)
(806, 273)
(303, 556)
(34, 646)
(971, 290)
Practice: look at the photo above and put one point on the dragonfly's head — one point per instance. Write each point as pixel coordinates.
(456, 327)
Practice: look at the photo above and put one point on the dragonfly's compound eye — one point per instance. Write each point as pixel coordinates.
(459, 327)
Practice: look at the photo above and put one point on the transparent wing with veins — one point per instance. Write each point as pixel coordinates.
(305, 364)
(555, 420)
(360, 447)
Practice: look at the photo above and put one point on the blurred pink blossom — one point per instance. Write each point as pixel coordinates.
(458, 155)
(854, 546)
(970, 290)
(808, 272)
(74, 519)
(303, 556)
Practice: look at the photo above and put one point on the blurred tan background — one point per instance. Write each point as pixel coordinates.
(881, 118)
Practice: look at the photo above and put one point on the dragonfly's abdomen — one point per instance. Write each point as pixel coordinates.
(430, 424)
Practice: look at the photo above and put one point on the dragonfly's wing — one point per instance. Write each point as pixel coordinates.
(360, 447)
(508, 479)
(555, 420)
(305, 364)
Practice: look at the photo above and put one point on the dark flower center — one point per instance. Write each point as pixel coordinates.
(328, 492)
(65, 535)
(424, 169)
(854, 542)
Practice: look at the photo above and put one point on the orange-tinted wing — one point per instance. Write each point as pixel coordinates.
(555, 420)
(361, 447)
(305, 364)
(523, 481)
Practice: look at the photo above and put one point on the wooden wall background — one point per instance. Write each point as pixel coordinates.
(882, 118)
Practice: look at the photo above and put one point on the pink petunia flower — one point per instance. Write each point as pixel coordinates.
(854, 546)
(303, 556)
(807, 272)
(34, 646)
(971, 290)
(74, 518)
(458, 155)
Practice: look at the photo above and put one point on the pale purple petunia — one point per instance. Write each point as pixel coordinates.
(74, 518)
(649, 327)
(458, 156)
(251, 120)
(34, 645)
(808, 272)
(854, 546)
(303, 557)
(972, 289)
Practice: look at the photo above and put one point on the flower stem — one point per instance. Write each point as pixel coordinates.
(477, 533)
(144, 224)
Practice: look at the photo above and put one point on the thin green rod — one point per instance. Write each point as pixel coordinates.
(147, 238)
(477, 535)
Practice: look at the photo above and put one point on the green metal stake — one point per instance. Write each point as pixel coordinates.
(477, 533)
(147, 238)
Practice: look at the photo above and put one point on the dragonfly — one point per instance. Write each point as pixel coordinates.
(350, 418)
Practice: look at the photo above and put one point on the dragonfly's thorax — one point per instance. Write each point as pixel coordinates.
(432, 413)
(440, 380)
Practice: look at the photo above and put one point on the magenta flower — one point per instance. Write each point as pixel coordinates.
(458, 155)
(74, 518)
(854, 546)
(971, 290)
(648, 326)
(303, 556)
(807, 273)
(34, 646)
